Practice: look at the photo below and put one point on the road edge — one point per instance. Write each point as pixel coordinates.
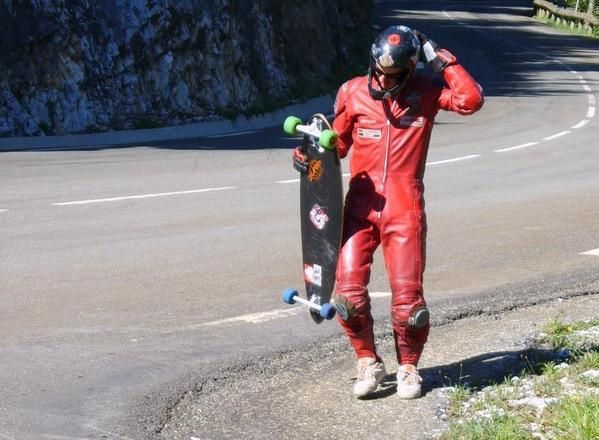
(200, 129)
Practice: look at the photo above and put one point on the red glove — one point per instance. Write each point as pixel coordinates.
(300, 161)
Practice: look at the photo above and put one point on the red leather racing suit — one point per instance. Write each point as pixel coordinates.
(389, 141)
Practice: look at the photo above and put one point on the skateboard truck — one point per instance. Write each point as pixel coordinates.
(326, 138)
(327, 311)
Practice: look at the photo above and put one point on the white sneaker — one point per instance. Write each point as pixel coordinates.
(370, 375)
(408, 382)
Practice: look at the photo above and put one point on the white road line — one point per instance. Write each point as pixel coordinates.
(581, 80)
(142, 196)
(594, 252)
(473, 156)
(555, 136)
(379, 294)
(581, 123)
(3, 210)
(428, 163)
(240, 133)
(256, 318)
(517, 147)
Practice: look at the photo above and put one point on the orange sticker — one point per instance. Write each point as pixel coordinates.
(314, 170)
(394, 39)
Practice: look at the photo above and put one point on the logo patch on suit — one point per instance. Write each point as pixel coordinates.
(367, 121)
(368, 133)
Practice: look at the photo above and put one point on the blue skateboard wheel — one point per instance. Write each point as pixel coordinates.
(289, 296)
(327, 311)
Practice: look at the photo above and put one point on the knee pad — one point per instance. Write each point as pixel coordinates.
(348, 309)
(414, 316)
(411, 321)
(419, 318)
(351, 301)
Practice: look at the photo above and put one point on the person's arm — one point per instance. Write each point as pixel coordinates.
(463, 94)
(343, 123)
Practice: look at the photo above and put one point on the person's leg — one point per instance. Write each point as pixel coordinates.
(353, 274)
(404, 250)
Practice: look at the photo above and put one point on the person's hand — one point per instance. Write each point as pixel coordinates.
(427, 47)
(300, 161)
(430, 53)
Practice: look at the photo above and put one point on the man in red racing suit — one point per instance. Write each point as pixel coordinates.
(385, 120)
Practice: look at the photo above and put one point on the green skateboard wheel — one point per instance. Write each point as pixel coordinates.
(328, 139)
(289, 125)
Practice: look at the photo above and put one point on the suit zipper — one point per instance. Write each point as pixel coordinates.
(382, 186)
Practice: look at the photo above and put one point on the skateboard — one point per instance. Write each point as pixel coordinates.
(321, 212)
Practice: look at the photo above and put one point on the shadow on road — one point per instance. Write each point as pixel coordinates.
(487, 369)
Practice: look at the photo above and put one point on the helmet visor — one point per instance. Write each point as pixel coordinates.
(387, 78)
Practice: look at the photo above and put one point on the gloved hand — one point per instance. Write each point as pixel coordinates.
(430, 53)
(300, 161)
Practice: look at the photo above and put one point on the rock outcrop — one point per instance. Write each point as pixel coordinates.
(81, 66)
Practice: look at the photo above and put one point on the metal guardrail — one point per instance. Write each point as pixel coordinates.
(581, 21)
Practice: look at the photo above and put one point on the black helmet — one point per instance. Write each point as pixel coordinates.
(395, 47)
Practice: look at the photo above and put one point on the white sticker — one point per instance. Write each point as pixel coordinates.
(313, 274)
(368, 133)
(367, 121)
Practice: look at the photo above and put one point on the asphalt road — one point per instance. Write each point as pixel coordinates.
(128, 272)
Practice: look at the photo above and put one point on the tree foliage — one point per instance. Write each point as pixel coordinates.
(584, 5)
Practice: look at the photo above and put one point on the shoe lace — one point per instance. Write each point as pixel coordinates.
(410, 377)
(366, 372)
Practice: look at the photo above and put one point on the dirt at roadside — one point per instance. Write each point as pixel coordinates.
(301, 397)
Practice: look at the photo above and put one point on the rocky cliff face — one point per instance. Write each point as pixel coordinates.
(79, 66)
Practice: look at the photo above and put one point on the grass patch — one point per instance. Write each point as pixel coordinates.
(566, 28)
(562, 335)
(457, 396)
(498, 428)
(551, 400)
(575, 418)
(589, 361)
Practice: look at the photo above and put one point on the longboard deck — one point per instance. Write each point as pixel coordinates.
(321, 210)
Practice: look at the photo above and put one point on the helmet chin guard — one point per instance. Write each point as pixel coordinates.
(395, 47)
(381, 94)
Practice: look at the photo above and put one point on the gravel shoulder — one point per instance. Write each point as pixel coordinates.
(305, 392)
